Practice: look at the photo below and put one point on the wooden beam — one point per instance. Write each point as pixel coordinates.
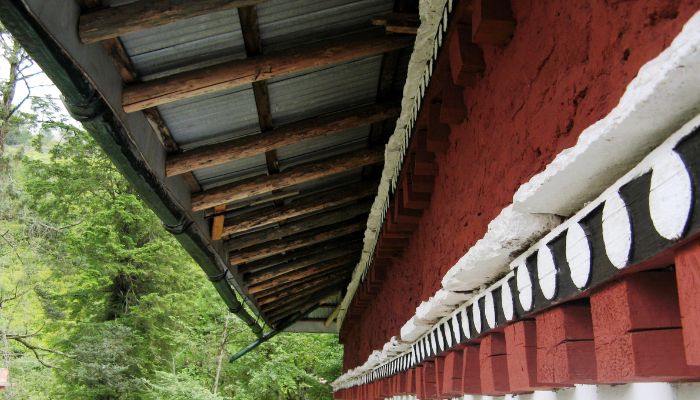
(324, 281)
(281, 261)
(217, 224)
(292, 287)
(303, 263)
(252, 145)
(111, 22)
(300, 274)
(307, 224)
(293, 176)
(233, 74)
(278, 311)
(260, 252)
(307, 205)
(398, 23)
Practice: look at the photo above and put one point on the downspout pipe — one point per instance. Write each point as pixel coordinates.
(87, 106)
(269, 335)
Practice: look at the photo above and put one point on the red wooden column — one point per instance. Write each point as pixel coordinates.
(471, 375)
(688, 280)
(408, 382)
(521, 348)
(429, 380)
(493, 364)
(637, 326)
(450, 382)
(565, 347)
(418, 381)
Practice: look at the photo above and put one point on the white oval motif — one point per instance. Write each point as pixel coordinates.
(546, 272)
(578, 255)
(617, 231)
(671, 196)
(522, 278)
(433, 344)
(490, 310)
(476, 316)
(507, 301)
(441, 342)
(465, 324)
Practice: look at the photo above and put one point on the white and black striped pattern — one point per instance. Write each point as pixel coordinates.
(652, 207)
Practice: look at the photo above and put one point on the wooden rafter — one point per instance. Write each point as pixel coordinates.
(260, 252)
(297, 256)
(279, 311)
(301, 274)
(306, 224)
(209, 156)
(237, 73)
(307, 205)
(111, 22)
(302, 263)
(290, 177)
(299, 285)
(398, 23)
(289, 293)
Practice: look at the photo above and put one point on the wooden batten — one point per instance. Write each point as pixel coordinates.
(260, 252)
(237, 73)
(217, 224)
(300, 275)
(307, 205)
(286, 295)
(266, 275)
(290, 177)
(307, 224)
(252, 145)
(282, 260)
(398, 23)
(111, 22)
(280, 310)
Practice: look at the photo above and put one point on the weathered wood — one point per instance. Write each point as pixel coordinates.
(307, 205)
(278, 311)
(111, 22)
(209, 156)
(398, 23)
(307, 224)
(300, 275)
(260, 252)
(333, 316)
(282, 260)
(217, 224)
(233, 74)
(290, 177)
(304, 262)
(293, 287)
(323, 281)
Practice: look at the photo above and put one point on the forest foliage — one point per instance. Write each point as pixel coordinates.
(98, 301)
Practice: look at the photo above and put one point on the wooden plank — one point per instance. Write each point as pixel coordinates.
(282, 260)
(300, 274)
(398, 23)
(280, 310)
(233, 74)
(209, 156)
(217, 225)
(307, 224)
(293, 176)
(111, 22)
(291, 287)
(260, 252)
(304, 262)
(307, 205)
(324, 281)
(333, 316)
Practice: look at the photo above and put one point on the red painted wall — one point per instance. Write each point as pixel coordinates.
(566, 67)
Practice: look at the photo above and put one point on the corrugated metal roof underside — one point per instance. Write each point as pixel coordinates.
(285, 24)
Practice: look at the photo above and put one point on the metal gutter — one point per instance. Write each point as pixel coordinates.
(88, 106)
